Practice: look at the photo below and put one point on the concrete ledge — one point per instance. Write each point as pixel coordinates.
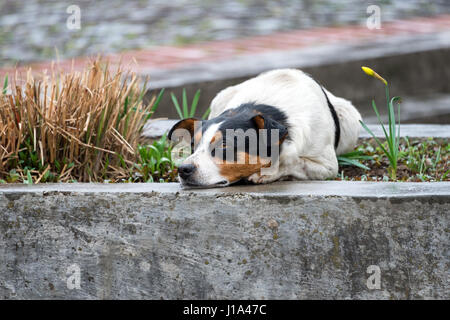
(290, 240)
(337, 66)
(328, 54)
(155, 129)
(411, 131)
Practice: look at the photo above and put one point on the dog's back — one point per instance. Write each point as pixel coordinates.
(349, 118)
(302, 99)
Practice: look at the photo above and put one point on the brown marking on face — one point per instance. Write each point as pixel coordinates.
(243, 168)
(260, 124)
(187, 124)
(259, 121)
(217, 137)
(198, 137)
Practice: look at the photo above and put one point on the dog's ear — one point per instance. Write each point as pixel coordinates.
(183, 128)
(269, 124)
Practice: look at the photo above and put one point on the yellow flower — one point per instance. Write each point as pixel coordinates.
(372, 73)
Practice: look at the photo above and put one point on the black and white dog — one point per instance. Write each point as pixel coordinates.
(299, 129)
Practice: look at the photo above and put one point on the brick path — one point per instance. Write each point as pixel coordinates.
(172, 57)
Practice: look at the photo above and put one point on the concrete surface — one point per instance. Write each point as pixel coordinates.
(289, 240)
(154, 129)
(328, 54)
(429, 109)
(411, 131)
(412, 64)
(117, 25)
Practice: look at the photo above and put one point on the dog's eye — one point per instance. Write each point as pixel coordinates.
(217, 145)
(220, 148)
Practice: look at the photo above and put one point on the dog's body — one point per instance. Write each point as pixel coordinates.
(286, 99)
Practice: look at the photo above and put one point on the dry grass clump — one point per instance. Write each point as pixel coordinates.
(78, 126)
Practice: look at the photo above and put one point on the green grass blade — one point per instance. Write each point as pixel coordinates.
(185, 105)
(156, 103)
(398, 131)
(141, 96)
(155, 149)
(388, 154)
(194, 103)
(176, 105)
(29, 178)
(392, 126)
(100, 127)
(5, 85)
(374, 106)
(357, 154)
(125, 110)
(438, 157)
(206, 114)
(154, 107)
(388, 137)
(373, 135)
(162, 161)
(349, 162)
(444, 176)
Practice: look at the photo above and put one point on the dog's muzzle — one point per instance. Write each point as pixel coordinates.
(186, 171)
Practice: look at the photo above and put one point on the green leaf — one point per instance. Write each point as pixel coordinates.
(156, 103)
(155, 149)
(373, 135)
(176, 105)
(357, 154)
(194, 103)
(206, 114)
(29, 178)
(185, 105)
(5, 85)
(163, 160)
(374, 106)
(438, 157)
(346, 162)
(444, 176)
(100, 127)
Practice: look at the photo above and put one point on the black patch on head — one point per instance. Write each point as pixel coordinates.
(186, 124)
(243, 117)
(190, 124)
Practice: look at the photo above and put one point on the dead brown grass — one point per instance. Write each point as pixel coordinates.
(82, 126)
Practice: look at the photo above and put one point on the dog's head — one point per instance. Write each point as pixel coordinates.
(231, 147)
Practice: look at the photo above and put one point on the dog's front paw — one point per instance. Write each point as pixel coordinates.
(254, 178)
(257, 178)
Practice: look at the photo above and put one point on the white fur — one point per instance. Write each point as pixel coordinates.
(309, 152)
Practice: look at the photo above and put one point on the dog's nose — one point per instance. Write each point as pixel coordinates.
(186, 170)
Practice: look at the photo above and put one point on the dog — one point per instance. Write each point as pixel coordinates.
(311, 127)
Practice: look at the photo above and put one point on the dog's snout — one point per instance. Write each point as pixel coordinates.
(186, 170)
